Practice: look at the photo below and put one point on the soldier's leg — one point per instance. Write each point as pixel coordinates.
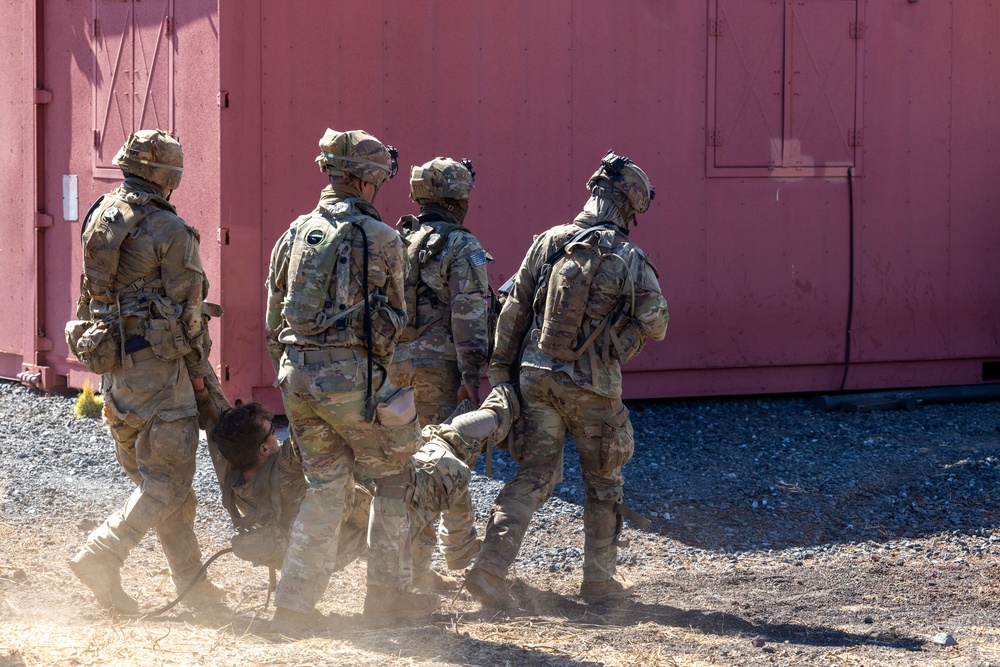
(459, 540)
(315, 534)
(603, 435)
(538, 451)
(435, 385)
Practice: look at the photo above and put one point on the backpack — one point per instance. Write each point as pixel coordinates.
(566, 281)
(423, 243)
(319, 268)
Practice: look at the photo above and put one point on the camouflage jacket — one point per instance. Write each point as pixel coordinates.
(387, 267)
(599, 368)
(256, 499)
(451, 305)
(162, 254)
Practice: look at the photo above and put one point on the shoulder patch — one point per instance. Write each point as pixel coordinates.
(478, 258)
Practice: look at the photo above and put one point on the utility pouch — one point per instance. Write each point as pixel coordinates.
(385, 328)
(95, 344)
(164, 331)
(265, 546)
(617, 441)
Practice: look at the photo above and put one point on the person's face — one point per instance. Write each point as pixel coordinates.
(270, 445)
(368, 190)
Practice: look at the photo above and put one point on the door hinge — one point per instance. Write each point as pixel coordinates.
(857, 30)
(854, 137)
(97, 27)
(223, 99)
(168, 24)
(716, 28)
(715, 137)
(42, 220)
(42, 96)
(222, 370)
(223, 235)
(97, 138)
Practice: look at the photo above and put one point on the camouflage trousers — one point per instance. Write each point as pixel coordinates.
(601, 429)
(324, 401)
(150, 408)
(441, 489)
(435, 386)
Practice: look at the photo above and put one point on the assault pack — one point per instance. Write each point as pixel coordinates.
(423, 243)
(566, 296)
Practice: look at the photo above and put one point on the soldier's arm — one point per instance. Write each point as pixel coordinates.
(275, 287)
(515, 319)
(185, 284)
(650, 305)
(468, 283)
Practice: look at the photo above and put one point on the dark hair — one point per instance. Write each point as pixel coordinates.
(240, 432)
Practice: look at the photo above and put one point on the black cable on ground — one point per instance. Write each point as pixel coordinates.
(197, 577)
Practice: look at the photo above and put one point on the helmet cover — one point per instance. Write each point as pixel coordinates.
(153, 155)
(356, 153)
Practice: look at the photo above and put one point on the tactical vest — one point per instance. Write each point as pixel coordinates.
(319, 268)
(424, 242)
(108, 224)
(566, 281)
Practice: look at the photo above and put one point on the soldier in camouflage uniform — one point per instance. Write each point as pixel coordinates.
(256, 464)
(443, 349)
(335, 310)
(143, 287)
(583, 302)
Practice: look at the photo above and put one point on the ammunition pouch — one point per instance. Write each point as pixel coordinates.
(95, 343)
(164, 332)
(617, 441)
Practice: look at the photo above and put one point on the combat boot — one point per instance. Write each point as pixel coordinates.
(102, 575)
(436, 582)
(618, 587)
(489, 590)
(291, 623)
(386, 604)
(203, 595)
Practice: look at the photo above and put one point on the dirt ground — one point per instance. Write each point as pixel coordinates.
(894, 598)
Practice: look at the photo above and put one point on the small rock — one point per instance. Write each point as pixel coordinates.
(944, 639)
(757, 642)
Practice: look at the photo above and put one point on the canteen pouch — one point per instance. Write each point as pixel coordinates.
(95, 344)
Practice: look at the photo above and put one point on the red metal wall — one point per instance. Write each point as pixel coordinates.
(746, 114)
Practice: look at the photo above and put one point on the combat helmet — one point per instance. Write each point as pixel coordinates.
(442, 178)
(357, 153)
(153, 155)
(630, 186)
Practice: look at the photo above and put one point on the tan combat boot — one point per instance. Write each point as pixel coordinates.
(617, 588)
(291, 623)
(203, 595)
(435, 582)
(489, 590)
(386, 604)
(102, 575)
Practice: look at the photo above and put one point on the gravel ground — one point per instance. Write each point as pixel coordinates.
(781, 534)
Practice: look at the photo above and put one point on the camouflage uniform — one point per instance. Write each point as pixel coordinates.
(149, 401)
(445, 343)
(581, 395)
(323, 378)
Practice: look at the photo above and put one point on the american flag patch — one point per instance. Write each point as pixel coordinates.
(478, 258)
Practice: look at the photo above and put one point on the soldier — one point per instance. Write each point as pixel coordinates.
(443, 349)
(264, 485)
(141, 326)
(334, 313)
(583, 302)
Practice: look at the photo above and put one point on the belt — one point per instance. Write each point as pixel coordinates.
(322, 355)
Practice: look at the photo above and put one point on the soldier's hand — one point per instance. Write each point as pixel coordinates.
(467, 391)
(198, 383)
